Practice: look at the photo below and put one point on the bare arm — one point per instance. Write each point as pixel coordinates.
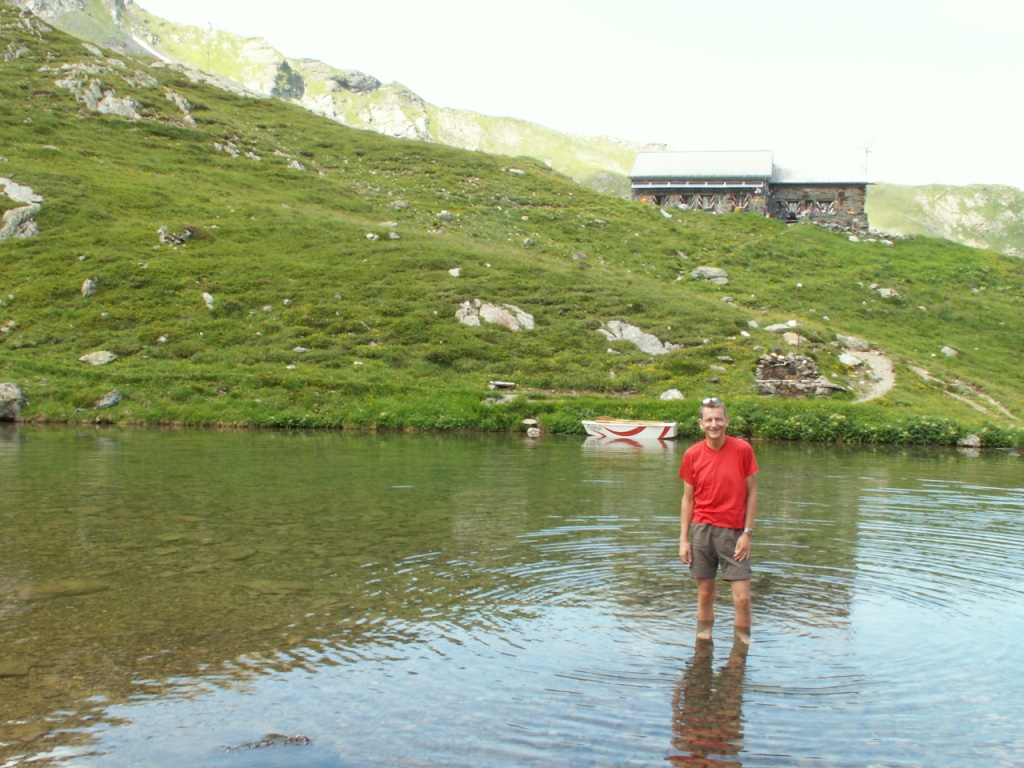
(685, 517)
(743, 545)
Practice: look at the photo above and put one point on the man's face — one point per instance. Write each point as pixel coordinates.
(713, 422)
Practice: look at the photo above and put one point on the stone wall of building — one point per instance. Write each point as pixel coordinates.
(834, 205)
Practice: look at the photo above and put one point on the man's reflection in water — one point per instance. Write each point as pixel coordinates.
(707, 714)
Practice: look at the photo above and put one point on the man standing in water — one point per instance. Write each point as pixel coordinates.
(719, 502)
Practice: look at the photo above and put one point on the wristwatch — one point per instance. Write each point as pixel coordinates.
(749, 532)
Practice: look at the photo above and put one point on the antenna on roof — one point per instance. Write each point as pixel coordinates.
(867, 151)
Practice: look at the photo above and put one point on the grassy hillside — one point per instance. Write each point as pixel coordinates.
(281, 203)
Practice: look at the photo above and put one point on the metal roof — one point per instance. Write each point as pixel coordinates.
(742, 164)
(748, 164)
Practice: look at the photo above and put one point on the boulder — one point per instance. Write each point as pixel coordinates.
(19, 193)
(98, 358)
(853, 343)
(711, 274)
(508, 315)
(672, 394)
(357, 82)
(969, 441)
(11, 401)
(20, 222)
(89, 287)
(109, 400)
(617, 330)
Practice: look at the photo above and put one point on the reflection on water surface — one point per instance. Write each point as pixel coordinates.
(493, 601)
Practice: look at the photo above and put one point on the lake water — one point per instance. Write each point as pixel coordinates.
(421, 600)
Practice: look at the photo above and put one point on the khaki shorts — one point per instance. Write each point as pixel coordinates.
(713, 547)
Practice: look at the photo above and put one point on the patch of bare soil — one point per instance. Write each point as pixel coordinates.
(881, 376)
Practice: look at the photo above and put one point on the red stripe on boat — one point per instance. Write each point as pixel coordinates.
(627, 433)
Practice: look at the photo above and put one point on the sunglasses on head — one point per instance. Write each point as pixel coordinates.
(711, 401)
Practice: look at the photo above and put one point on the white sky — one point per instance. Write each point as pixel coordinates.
(929, 85)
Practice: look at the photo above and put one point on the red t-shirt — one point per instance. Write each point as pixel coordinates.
(719, 480)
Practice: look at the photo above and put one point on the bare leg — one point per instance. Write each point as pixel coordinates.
(741, 603)
(705, 608)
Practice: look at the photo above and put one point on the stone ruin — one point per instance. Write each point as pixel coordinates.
(791, 375)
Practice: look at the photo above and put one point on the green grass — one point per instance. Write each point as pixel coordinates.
(286, 258)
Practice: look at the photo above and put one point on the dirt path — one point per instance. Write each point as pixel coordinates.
(882, 376)
(958, 390)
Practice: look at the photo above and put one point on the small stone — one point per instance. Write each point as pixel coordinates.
(98, 358)
(14, 668)
(28, 732)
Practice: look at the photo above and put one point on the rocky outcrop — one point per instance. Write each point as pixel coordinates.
(19, 222)
(713, 275)
(288, 84)
(508, 315)
(337, 80)
(51, 9)
(617, 330)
